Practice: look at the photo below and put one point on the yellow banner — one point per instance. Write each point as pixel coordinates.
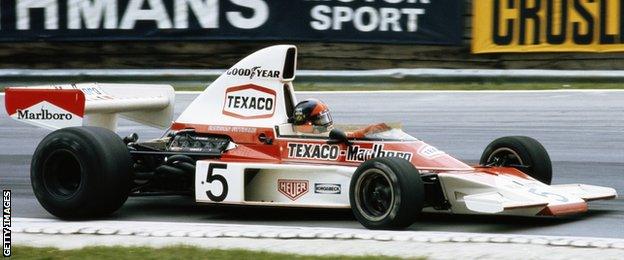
(547, 26)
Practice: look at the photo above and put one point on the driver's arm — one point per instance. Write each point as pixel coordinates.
(371, 129)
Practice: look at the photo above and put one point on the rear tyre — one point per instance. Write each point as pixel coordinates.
(521, 152)
(386, 193)
(81, 172)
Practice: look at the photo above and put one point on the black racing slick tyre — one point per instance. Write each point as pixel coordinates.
(521, 152)
(81, 172)
(386, 193)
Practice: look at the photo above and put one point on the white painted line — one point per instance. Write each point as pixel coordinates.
(431, 91)
(189, 92)
(309, 240)
(459, 91)
(438, 91)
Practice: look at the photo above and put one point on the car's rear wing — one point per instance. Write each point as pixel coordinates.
(94, 104)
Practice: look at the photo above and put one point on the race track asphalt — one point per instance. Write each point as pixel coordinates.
(582, 130)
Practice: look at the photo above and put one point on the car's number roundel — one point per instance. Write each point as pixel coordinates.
(216, 177)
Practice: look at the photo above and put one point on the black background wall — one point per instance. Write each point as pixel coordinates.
(222, 54)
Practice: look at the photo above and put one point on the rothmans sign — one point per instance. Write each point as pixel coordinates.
(124, 15)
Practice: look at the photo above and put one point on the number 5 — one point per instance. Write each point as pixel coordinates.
(548, 195)
(216, 177)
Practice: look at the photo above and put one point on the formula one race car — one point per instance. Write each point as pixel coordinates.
(247, 141)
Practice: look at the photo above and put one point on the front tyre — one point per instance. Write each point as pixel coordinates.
(81, 172)
(386, 193)
(521, 152)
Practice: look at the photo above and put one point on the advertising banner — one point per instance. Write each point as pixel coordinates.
(389, 21)
(547, 26)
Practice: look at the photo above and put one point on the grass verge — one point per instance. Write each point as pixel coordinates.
(175, 252)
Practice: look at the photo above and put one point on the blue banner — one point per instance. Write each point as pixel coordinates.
(385, 21)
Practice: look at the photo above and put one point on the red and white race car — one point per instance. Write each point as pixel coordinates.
(235, 144)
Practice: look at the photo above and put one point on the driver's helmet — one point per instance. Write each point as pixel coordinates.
(312, 116)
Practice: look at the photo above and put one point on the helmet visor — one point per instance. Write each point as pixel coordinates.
(323, 119)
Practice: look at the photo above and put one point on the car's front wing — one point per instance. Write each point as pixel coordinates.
(510, 192)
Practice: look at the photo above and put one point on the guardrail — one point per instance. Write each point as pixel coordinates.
(384, 75)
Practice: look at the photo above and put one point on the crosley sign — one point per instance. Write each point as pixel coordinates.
(548, 26)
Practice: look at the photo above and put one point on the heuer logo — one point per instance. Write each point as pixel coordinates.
(249, 102)
(293, 189)
(255, 72)
(327, 188)
(44, 114)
